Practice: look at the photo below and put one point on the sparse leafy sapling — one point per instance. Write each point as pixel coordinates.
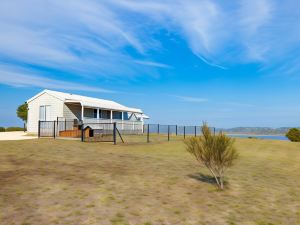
(215, 152)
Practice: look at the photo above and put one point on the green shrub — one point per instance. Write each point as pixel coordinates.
(215, 152)
(2, 129)
(14, 129)
(293, 135)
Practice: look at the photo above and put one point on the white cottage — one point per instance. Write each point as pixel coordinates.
(53, 106)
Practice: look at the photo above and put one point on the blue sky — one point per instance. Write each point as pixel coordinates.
(231, 63)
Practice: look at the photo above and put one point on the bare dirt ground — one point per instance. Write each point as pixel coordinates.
(15, 135)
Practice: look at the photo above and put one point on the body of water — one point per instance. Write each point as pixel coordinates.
(270, 137)
(196, 130)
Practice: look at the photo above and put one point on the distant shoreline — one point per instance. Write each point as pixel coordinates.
(259, 136)
(251, 134)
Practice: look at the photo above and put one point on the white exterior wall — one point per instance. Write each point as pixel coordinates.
(72, 111)
(56, 110)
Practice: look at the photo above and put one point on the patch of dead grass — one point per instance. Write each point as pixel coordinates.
(68, 182)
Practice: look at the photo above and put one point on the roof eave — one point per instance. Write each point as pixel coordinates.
(125, 109)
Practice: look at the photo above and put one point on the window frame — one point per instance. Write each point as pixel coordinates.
(44, 112)
(95, 114)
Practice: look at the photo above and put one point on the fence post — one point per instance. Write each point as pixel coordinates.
(183, 132)
(148, 139)
(168, 132)
(176, 130)
(115, 133)
(195, 131)
(214, 131)
(82, 133)
(54, 129)
(39, 129)
(157, 128)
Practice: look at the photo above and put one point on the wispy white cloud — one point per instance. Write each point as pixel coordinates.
(255, 14)
(226, 33)
(199, 22)
(20, 78)
(89, 38)
(212, 64)
(154, 64)
(83, 38)
(254, 17)
(191, 99)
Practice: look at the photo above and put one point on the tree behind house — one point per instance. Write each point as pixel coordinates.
(22, 112)
(215, 152)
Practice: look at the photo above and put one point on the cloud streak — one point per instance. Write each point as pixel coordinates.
(153, 64)
(191, 99)
(89, 38)
(199, 22)
(82, 38)
(15, 78)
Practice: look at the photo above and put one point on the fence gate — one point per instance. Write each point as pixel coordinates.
(59, 128)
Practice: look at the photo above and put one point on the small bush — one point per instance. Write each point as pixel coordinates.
(215, 152)
(293, 135)
(14, 129)
(2, 129)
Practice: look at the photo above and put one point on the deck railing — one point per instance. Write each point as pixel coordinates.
(126, 126)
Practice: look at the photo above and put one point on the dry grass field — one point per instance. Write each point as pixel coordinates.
(50, 181)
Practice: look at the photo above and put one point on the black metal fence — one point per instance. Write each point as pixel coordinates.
(98, 132)
(125, 132)
(159, 132)
(172, 129)
(54, 128)
(86, 132)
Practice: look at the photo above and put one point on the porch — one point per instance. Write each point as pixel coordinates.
(88, 114)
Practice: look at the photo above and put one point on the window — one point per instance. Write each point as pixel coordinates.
(95, 113)
(125, 115)
(117, 115)
(44, 113)
(105, 114)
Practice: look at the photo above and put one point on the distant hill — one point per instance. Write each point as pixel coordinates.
(255, 130)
